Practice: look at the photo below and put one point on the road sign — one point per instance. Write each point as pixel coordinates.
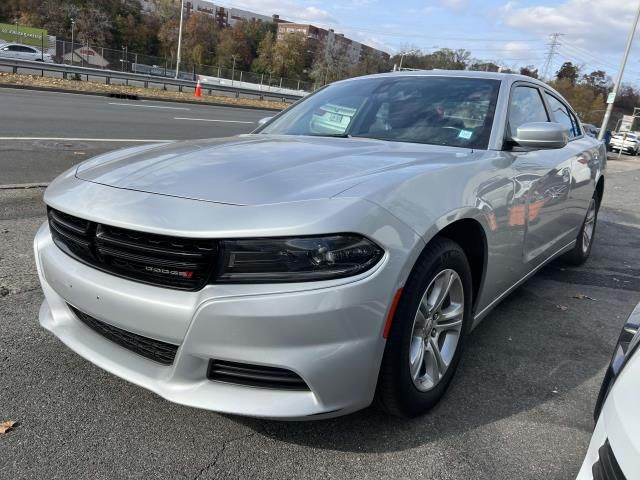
(22, 34)
(611, 98)
(627, 123)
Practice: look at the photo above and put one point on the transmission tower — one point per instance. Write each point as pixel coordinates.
(553, 46)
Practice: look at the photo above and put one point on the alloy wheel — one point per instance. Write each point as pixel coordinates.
(437, 326)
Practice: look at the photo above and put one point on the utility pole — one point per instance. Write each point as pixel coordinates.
(179, 39)
(616, 86)
(73, 26)
(555, 43)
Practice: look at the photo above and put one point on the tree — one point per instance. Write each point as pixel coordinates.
(568, 71)
(168, 14)
(331, 62)
(529, 71)
(255, 32)
(598, 80)
(93, 26)
(289, 55)
(447, 59)
(484, 66)
(371, 62)
(263, 63)
(409, 57)
(200, 38)
(587, 102)
(233, 43)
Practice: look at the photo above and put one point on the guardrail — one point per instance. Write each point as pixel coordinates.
(146, 80)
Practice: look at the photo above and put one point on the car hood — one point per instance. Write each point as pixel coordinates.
(260, 169)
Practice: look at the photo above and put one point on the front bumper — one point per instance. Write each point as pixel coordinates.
(329, 333)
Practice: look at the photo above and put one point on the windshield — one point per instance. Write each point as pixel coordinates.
(448, 111)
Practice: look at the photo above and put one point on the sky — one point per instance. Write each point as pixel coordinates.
(509, 32)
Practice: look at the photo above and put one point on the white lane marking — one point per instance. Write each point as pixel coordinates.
(209, 120)
(64, 139)
(148, 106)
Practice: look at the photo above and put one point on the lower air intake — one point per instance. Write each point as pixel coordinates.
(607, 468)
(255, 375)
(155, 350)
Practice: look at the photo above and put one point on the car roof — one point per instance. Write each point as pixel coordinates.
(510, 77)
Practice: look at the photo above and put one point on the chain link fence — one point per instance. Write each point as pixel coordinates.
(122, 60)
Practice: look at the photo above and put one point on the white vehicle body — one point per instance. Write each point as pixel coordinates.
(614, 451)
(24, 52)
(627, 142)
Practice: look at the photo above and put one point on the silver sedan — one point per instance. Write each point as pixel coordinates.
(339, 254)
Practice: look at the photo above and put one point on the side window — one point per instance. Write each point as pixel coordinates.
(526, 106)
(563, 115)
(14, 48)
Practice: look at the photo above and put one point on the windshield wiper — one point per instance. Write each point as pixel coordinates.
(331, 135)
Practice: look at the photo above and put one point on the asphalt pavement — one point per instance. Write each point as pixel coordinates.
(520, 406)
(44, 133)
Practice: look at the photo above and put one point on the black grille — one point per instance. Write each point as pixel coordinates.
(156, 350)
(174, 262)
(607, 468)
(254, 375)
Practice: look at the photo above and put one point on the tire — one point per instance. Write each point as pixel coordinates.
(582, 249)
(399, 391)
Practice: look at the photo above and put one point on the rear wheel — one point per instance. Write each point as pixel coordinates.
(584, 242)
(428, 332)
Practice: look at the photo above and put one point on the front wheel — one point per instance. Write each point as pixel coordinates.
(584, 242)
(428, 331)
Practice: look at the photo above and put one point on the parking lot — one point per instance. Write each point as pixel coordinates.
(520, 406)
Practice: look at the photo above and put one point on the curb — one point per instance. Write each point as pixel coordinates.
(23, 186)
(138, 97)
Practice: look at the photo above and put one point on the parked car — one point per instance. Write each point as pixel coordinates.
(626, 142)
(24, 52)
(306, 268)
(614, 451)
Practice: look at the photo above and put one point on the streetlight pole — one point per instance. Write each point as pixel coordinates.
(17, 35)
(179, 39)
(401, 59)
(233, 70)
(73, 24)
(616, 86)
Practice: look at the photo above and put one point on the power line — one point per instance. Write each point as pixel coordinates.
(553, 46)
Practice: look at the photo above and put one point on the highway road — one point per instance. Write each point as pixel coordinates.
(43, 133)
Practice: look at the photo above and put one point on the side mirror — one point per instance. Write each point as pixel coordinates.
(541, 135)
(264, 120)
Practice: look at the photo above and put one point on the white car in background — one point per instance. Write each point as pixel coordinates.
(24, 52)
(626, 142)
(614, 452)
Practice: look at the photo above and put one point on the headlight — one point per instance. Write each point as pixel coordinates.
(628, 342)
(300, 259)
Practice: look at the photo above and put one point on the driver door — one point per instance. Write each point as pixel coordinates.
(544, 177)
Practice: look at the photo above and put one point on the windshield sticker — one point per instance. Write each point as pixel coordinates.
(466, 134)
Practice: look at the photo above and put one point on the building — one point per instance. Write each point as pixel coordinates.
(85, 56)
(318, 38)
(224, 17)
